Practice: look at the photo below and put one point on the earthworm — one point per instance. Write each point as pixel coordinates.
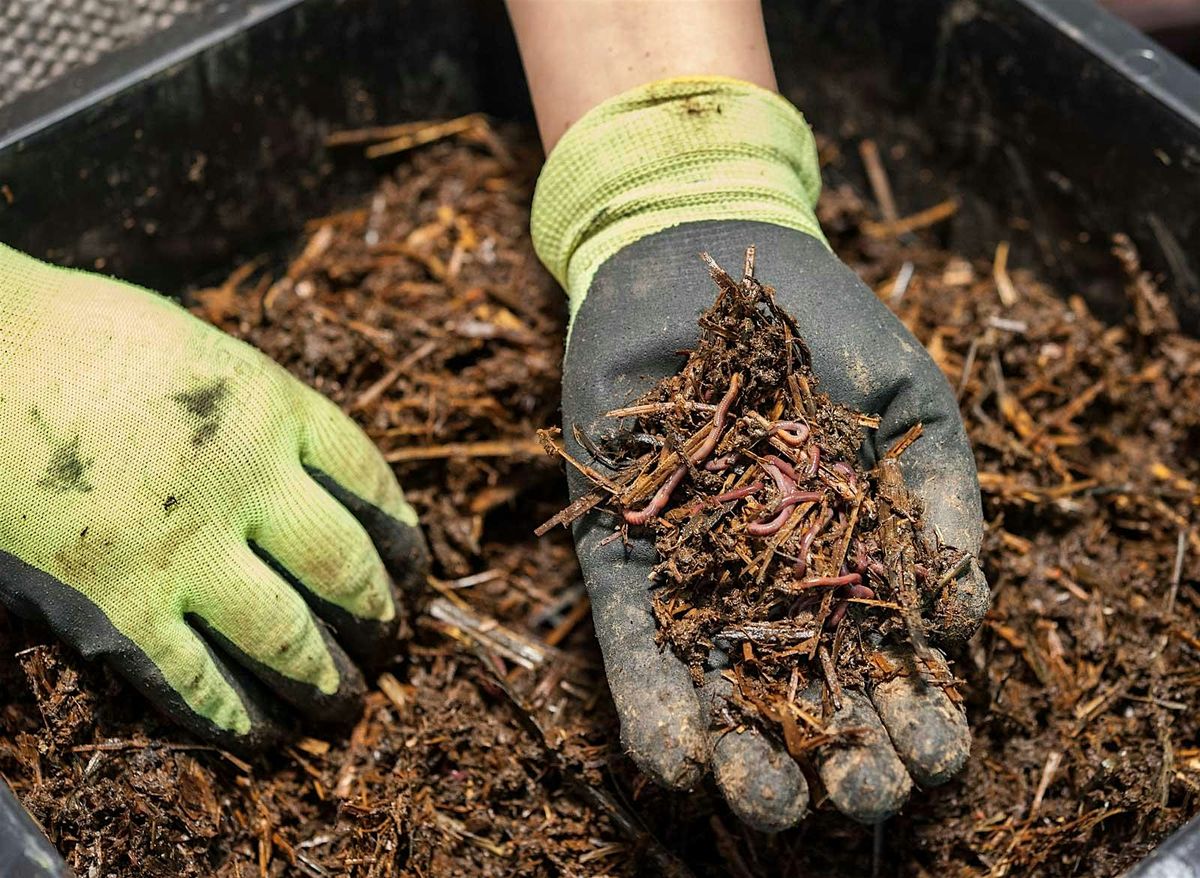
(793, 433)
(772, 526)
(783, 466)
(785, 482)
(718, 423)
(846, 472)
(839, 613)
(720, 464)
(807, 539)
(800, 497)
(658, 501)
(785, 485)
(864, 563)
(735, 494)
(660, 498)
(861, 592)
(816, 460)
(787, 502)
(788, 497)
(844, 579)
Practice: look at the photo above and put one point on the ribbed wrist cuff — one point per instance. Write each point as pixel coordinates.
(671, 152)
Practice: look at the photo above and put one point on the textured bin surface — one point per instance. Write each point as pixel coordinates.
(43, 40)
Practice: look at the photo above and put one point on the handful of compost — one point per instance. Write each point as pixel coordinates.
(785, 566)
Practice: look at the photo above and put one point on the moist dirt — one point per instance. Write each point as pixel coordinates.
(488, 745)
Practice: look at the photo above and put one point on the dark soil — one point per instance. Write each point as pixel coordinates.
(489, 747)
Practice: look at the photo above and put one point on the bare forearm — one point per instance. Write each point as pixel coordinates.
(578, 53)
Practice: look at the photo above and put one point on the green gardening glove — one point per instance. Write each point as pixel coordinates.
(174, 501)
(627, 200)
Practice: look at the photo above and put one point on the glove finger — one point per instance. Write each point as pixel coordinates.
(317, 545)
(664, 727)
(863, 775)
(166, 660)
(264, 624)
(267, 721)
(939, 469)
(927, 729)
(345, 462)
(760, 780)
(960, 607)
(949, 489)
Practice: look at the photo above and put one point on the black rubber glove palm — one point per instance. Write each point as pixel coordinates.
(640, 310)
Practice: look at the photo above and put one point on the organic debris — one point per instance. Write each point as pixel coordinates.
(767, 527)
(1081, 688)
(422, 310)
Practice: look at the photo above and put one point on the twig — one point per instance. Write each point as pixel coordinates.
(922, 219)
(426, 134)
(900, 286)
(1004, 284)
(655, 408)
(597, 478)
(1048, 770)
(911, 435)
(968, 368)
(520, 648)
(486, 448)
(831, 680)
(1177, 573)
(580, 506)
(878, 178)
(950, 575)
(372, 394)
(374, 133)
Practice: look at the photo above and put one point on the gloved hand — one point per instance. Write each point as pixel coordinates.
(174, 501)
(629, 197)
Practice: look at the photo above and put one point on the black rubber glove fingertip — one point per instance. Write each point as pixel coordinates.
(960, 608)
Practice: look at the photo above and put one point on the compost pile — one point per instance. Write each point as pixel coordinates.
(422, 310)
(766, 526)
(490, 747)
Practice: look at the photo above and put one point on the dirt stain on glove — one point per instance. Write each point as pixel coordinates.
(205, 404)
(67, 470)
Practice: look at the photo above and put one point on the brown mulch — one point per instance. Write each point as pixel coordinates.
(489, 747)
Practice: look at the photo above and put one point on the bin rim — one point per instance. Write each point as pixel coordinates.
(77, 90)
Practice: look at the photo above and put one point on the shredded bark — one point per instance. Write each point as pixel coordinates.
(1081, 688)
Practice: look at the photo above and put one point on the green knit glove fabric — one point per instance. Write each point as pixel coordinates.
(671, 152)
(167, 500)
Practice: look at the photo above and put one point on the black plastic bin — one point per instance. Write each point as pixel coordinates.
(167, 161)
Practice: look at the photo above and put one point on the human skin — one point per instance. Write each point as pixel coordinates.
(628, 43)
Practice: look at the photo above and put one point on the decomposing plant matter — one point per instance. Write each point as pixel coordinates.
(444, 339)
(774, 542)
